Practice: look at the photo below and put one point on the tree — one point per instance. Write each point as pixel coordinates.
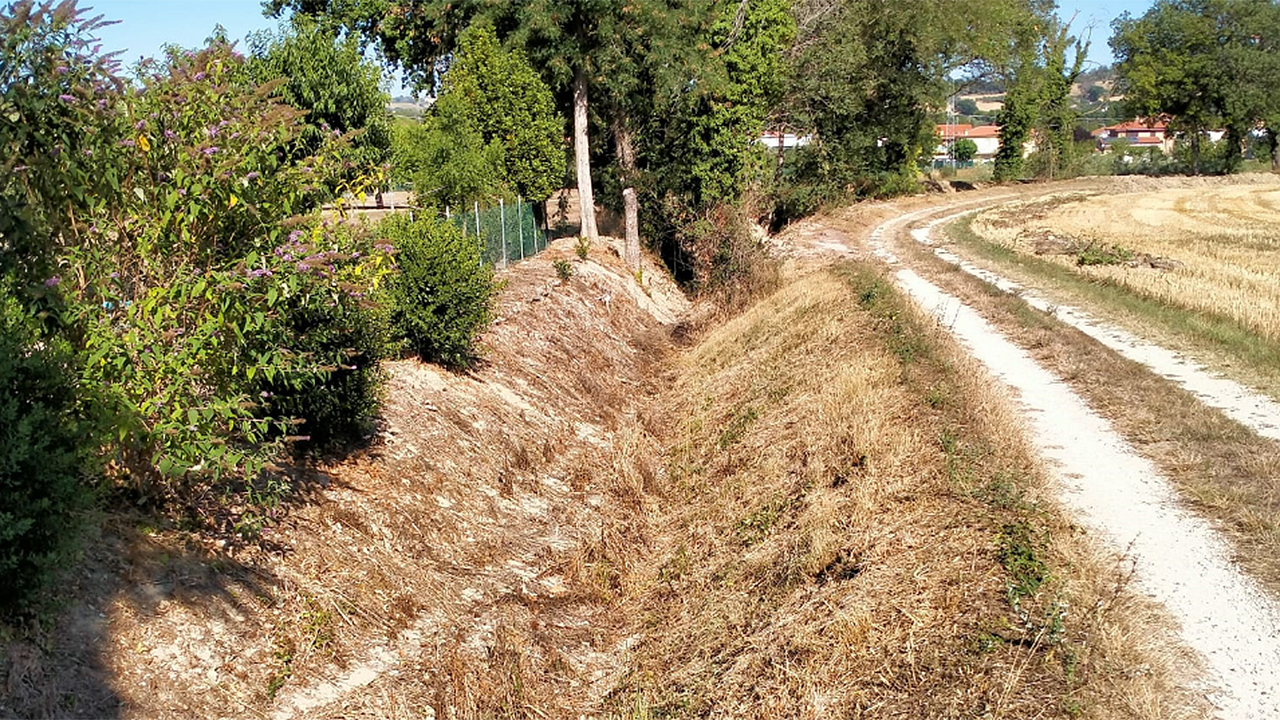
(331, 80)
(964, 150)
(868, 73)
(497, 93)
(966, 106)
(1038, 103)
(1203, 64)
(697, 145)
(582, 49)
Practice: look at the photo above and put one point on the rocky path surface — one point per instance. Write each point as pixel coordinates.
(1180, 560)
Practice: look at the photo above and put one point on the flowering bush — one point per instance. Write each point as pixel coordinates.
(188, 291)
(59, 122)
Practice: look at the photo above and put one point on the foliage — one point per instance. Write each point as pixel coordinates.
(564, 270)
(1202, 64)
(409, 143)
(329, 79)
(964, 149)
(583, 247)
(966, 106)
(181, 291)
(44, 450)
(336, 328)
(1037, 107)
(442, 297)
(1104, 254)
(59, 125)
(869, 73)
(493, 130)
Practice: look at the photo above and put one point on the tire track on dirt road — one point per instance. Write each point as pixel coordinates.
(1180, 561)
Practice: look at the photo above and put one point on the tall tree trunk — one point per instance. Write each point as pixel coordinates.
(1195, 152)
(624, 143)
(1274, 136)
(582, 157)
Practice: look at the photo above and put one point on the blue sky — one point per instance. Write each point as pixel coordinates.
(147, 25)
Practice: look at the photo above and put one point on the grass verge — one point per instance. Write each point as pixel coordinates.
(857, 527)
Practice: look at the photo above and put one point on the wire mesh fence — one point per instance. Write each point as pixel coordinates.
(506, 233)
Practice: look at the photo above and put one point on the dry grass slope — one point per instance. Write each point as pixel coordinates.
(857, 529)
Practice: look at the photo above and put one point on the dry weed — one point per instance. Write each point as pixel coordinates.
(857, 528)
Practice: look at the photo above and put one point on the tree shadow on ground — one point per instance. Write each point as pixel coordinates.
(71, 662)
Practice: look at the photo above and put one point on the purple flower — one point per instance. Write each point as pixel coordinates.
(260, 272)
(199, 76)
(211, 132)
(88, 152)
(383, 247)
(169, 134)
(102, 104)
(253, 175)
(53, 281)
(303, 267)
(210, 150)
(264, 394)
(19, 168)
(140, 125)
(295, 235)
(115, 275)
(69, 99)
(355, 255)
(62, 69)
(128, 143)
(223, 123)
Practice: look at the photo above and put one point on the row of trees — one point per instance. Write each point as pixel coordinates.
(177, 315)
(1204, 64)
(667, 98)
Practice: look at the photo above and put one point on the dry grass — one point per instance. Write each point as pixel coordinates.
(1226, 241)
(857, 528)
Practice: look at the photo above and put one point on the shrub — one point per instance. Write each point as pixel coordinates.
(43, 448)
(583, 248)
(339, 336)
(1104, 254)
(564, 270)
(442, 296)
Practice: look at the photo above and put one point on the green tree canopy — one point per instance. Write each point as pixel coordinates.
(497, 93)
(329, 78)
(869, 72)
(1202, 64)
(964, 149)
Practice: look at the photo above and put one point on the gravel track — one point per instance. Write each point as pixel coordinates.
(1180, 561)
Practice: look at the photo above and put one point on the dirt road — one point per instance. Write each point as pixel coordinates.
(1179, 559)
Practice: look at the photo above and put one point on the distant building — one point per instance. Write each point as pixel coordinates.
(1138, 133)
(986, 137)
(786, 141)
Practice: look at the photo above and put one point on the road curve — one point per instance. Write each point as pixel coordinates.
(1180, 561)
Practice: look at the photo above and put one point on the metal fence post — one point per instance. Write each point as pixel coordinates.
(502, 220)
(479, 238)
(520, 224)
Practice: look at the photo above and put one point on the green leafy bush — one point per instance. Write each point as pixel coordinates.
(341, 335)
(442, 297)
(564, 270)
(43, 449)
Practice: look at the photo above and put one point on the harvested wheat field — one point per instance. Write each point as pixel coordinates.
(855, 527)
(1212, 249)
